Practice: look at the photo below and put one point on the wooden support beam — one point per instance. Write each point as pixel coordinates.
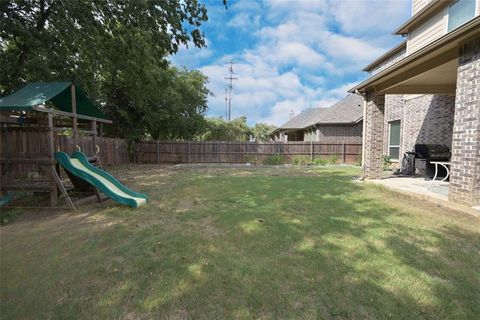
(74, 118)
(91, 198)
(45, 160)
(97, 195)
(60, 186)
(93, 128)
(51, 156)
(69, 114)
(85, 132)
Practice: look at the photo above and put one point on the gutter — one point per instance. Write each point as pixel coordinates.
(387, 54)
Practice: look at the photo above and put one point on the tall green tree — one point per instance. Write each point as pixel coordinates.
(177, 110)
(217, 129)
(262, 131)
(116, 50)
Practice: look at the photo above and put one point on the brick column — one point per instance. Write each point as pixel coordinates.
(465, 171)
(374, 118)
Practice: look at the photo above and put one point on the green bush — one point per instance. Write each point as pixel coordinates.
(333, 159)
(251, 159)
(358, 161)
(319, 162)
(274, 159)
(301, 160)
(7, 216)
(386, 163)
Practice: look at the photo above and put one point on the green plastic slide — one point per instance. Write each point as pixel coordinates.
(79, 166)
(5, 199)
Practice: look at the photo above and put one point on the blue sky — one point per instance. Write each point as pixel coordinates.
(291, 55)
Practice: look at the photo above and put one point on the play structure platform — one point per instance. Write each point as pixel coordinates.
(41, 118)
(80, 167)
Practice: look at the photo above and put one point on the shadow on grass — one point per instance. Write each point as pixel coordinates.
(267, 247)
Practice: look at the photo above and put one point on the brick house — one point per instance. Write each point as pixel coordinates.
(337, 124)
(427, 90)
(416, 118)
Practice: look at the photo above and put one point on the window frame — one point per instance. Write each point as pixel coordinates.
(399, 139)
(475, 13)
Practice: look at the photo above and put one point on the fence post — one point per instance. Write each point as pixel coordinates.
(93, 128)
(343, 152)
(311, 150)
(158, 152)
(134, 152)
(218, 152)
(188, 151)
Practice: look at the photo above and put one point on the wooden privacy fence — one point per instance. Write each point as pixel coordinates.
(240, 152)
(34, 144)
(111, 151)
(25, 143)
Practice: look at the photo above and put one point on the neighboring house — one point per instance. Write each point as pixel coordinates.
(427, 90)
(339, 123)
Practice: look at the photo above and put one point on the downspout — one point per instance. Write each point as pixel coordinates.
(363, 125)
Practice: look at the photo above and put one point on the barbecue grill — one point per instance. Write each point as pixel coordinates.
(433, 152)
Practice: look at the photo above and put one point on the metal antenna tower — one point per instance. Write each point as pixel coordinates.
(226, 104)
(228, 90)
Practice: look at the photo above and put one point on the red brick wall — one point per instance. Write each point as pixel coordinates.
(465, 171)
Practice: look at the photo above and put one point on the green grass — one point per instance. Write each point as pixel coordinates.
(257, 243)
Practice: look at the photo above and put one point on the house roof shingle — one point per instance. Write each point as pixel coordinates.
(303, 119)
(346, 111)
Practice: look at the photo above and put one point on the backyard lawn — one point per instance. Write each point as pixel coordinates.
(244, 243)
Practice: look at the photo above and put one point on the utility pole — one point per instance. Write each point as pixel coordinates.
(226, 104)
(228, 90)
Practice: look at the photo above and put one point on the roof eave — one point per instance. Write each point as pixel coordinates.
(420, 15)
(338, 123)
(387, 54)
(451, 36)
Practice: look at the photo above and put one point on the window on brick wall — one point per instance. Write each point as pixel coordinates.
(394, 140)
(460, 12)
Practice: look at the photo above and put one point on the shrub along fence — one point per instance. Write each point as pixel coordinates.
(241, 152)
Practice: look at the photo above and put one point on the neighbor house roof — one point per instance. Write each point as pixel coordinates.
(346, 111)
(303, 119)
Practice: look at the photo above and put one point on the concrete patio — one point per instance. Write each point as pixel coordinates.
(416, 185)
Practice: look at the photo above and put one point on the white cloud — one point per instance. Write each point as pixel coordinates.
(245, 21)
(305, 54)
(373, 16)
(192, 56)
